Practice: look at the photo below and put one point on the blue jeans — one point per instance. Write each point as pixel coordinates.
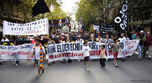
(140, 50)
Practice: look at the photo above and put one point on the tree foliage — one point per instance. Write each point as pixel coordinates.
(94, 11)
(21, 10)
(98, 11)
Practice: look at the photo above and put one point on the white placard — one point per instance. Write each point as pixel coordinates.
(39, 27)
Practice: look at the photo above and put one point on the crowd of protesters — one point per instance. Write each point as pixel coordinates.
(144, 47)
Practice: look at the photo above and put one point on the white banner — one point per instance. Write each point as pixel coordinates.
(57, 52)
(39, 27)
(16, 52)
(74, 50)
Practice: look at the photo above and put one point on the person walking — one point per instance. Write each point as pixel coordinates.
(102, 56)
(86, 54)
(115, 50)
(39, 56)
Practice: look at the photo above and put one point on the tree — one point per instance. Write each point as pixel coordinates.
(86, 12)
(96, 11)
(21, 10)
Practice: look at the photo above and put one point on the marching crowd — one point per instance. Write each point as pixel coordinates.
(83, 37)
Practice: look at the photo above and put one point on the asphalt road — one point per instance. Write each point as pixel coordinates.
(130, 71)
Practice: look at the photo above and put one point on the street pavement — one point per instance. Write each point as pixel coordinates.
(130, 71)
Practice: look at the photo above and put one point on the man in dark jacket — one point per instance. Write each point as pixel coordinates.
(148, 42)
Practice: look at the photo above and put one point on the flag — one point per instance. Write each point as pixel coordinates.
(40, 8)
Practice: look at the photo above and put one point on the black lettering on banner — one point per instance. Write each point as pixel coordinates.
(93, 45)
(13, 24)
(38, 22)
(62, 47)
(66, 47)
(3, 47)
(33, 23)
(9, 47)
(81, 47)
(12, 28)
(90, 45)
(71, 47)
(25, 46)
(10, 24)
(51, 49)
(74, 47)
(59, 48)
(15, 29)
(20, 29)
(77, 46)
(27, 24)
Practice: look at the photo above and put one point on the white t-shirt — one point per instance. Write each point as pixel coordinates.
(86, 51)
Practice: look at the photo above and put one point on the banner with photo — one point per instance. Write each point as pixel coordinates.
(63, 51)
(39, 27)
(16, 52)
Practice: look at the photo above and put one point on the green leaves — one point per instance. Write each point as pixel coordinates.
(94, 11)
(22, 11)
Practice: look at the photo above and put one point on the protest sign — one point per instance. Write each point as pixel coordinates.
(74, 50)
(39, 27)
(16, 52)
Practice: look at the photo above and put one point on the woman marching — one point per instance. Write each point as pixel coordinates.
(39, 55)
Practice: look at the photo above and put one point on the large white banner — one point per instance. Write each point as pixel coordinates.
(16, 52)
(39, 27)
(57, 52)
(62, 51)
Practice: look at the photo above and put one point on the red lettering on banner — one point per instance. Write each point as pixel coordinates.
(51, 57)
(55, 56)
(14, 53)
(97, 52)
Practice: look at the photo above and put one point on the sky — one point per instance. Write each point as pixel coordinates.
(70, 6)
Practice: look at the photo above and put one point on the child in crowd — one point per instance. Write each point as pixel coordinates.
(86, 54)
(102, 56)
(115, 49)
